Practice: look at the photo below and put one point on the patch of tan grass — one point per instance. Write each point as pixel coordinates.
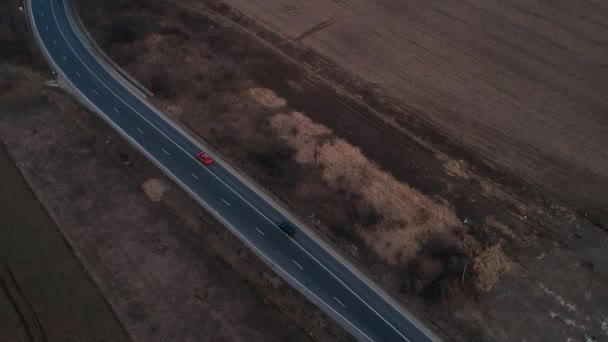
(153, 39)
(489, 265)
(408, 215)
(503, 228)
(266, 98)
(154, 189)
(458, 168)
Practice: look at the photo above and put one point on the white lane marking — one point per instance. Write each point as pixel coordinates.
(370, 284)
(95, 91)
(166, 152)
(261, 232)
(54, 42)
(349, 289)
(337, 300)
(300, 266)
(193, 175)
(180, 147)
(64, 58)
(42, 12)
(46, 27)
(77, 74)
(317, 261)
(270, 262)
(223, 200)
(116, 110)
(140, 131)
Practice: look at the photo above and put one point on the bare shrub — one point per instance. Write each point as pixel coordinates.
(438, 269)
(160, 83)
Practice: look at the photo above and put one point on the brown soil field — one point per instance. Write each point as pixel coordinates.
(474, 249)
(519, 84)
(44, 292)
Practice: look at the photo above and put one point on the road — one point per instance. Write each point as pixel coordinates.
(304, 261)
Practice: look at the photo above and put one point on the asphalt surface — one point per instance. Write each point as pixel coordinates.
(303, 261)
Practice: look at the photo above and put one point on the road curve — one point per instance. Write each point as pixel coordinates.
(304, 261)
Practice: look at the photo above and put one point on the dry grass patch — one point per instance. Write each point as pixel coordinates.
(154, 189)
(489, 265)
(408, 216)
(458, 168)
(266, 98)
(501, 227)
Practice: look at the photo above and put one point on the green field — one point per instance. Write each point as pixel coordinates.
(44, 292)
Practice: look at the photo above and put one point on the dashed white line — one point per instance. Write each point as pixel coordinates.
(46, 27)
(54, 42)
(140, 131)
(193, 175)
(64, 58)
(95, 91)
(77, 74)
(258, 229)
(166, 152)
(116, 110)
(300, 266)
(42, 12)
(343, 284)
(337, 300)
(223, 200)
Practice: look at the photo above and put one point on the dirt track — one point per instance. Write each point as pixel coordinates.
(522, 84)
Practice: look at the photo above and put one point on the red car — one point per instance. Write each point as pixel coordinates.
(204, 158)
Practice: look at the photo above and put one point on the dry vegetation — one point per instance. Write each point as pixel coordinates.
(399, 217)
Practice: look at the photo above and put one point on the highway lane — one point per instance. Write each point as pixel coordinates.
(302, 261)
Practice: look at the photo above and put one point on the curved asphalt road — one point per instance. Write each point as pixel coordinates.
(304, 262)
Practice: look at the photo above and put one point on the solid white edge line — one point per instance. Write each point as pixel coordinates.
(264, 197)
(310, 234)
(353, 292)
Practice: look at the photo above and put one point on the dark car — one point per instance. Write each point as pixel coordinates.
(287, 229)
